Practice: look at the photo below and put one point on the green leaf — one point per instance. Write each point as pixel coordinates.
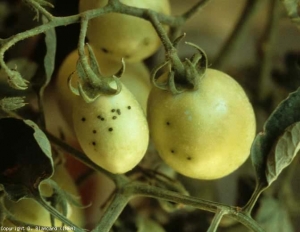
(284, 115)
(273, 217)
(25, 157)
(49, 60)
(285, 151)
(292, 7)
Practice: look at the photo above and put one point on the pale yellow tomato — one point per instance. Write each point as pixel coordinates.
(206, 133)
(123, 36)
(112, 130)
(58, 97)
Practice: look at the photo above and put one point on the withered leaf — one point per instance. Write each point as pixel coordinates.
(25, 157)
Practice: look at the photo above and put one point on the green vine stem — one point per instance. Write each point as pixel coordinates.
(140, 189)
(175, 31)
(251, 7)
(171, 51)
(113, 211)
(216, 221)
(112, 6)
(39, 9)
(131, 189)
(92, 83)
(268, 45)
(247, 209)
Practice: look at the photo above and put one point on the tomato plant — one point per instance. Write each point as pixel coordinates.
(201, 136)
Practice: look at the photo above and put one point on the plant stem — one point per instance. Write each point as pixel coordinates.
(268, 44)
(140, 189)
(112, 213)
(216, 221)
(236, 36)
(247, 209)
(193, 10)
(40, 9)
(171, 51)
(90, 76)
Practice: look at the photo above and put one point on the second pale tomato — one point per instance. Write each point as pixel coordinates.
(206, 133)
(119, 36)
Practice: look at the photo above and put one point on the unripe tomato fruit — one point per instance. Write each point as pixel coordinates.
(58, 97)
(123, 36)
(136, 78)
(29, 211)
(112, 130)
(206, 133)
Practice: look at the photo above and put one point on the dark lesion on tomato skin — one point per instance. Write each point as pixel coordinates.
(105, 50)
(100, 117)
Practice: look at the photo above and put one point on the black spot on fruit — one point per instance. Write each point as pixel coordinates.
(129, 107)
(189, 158)
(146, 41)
(110, 129)
(172, 151)
(118, 111)
(101, 118)
(113, 110)
(104, 50)
(168, 123)
(94, 131)
(83, 119)
(114, 117)
(94, 143)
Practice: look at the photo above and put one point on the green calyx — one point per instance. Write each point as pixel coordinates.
(92, 83)
(182, 75)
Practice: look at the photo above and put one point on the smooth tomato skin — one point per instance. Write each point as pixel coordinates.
(122, 36)
(112, 130)
(58, 98)
(136, 78)
(29, 211)
(203, 134)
